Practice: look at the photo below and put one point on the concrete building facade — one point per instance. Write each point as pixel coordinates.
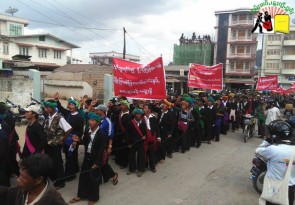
(41, 51)
(106, 58)
(278, 57)
(236, 47)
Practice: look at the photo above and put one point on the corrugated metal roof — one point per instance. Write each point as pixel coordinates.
(77, 68)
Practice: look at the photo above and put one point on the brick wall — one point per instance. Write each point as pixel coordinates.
(95, 79)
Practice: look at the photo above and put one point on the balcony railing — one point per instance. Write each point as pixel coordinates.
(241, 39)
(238, 22)
(238, 70)
(240, 55)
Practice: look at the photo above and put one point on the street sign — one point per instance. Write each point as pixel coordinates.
(291, 78)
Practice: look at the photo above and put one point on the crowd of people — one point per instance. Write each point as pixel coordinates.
(137, 134)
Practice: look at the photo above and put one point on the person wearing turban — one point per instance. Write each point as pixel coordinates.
(75, 119)
(137, 136)
(95, 141)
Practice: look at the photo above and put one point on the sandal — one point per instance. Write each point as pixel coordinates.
(115, 179)
(75, 200)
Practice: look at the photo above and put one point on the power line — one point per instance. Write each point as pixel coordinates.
(79, 13)
(78, 22)
(79, 27)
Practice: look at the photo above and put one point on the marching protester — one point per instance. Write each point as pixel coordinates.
(210, 120)
(122, 135)
(71, 143)
(56, 131)
(107, 127)
(34, 186)
(232, 110)
(35, 139)
(272, 113)
(219, 120)
(95, 141)
(152, 137)
(199, 114)
(137, 132)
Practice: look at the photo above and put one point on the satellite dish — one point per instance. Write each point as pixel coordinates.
(293, 20)
(11, 10)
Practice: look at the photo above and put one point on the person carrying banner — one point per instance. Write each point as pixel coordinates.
(137, 132)
(153, 135)
(122, 152)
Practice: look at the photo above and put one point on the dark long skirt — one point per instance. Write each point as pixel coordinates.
(88, 188)
(122, 152)
(71, 165)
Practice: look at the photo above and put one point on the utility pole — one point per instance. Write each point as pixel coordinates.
(124, 46)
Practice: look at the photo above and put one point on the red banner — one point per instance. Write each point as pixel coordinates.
(267, 83)
(139, 81)
(205, 77)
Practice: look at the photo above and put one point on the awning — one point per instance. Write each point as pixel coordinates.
(23, 64)
(53, 48)
(51, 65)
(25, 44)
(172, 80)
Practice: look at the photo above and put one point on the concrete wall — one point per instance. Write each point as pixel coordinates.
(67, 89)
(22, 88)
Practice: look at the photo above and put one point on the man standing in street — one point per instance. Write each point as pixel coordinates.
(272, 113)
(56, 130)
(35, 139)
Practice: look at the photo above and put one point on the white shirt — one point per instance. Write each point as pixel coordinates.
(272, 114)
(92, 135)
(62, 123)
(147, 120)
(277, 157)
(38, 197)
(123, 113)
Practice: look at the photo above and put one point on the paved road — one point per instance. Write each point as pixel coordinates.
(214, 174)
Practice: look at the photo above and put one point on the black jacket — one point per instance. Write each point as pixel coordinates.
(166, 124)
(154, 126)
(37, 138)
(133, 135)
(98, 145)
(211, 116)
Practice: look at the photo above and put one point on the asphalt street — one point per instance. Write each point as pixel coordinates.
(213, 174)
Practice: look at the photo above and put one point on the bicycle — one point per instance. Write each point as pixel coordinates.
(248, 130)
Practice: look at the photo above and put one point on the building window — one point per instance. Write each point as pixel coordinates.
(15, 30)
(276, 37)
(273, 65)
(234, 33)
(290, 36)
(289, 64)
(247, 66)
(241, 33)
(232, 65)
(240, 49)
(42, 53)
(41, 38)
(24, 51)
(248, 49)
(234, 17)
(5, 48)
(249, 34)
(289, 51)
(250, 17)
(273, 52)
(239, 65)
(243, 17)
(232, 49)
(57, 54)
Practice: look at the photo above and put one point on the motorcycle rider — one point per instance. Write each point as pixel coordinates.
(277, 150)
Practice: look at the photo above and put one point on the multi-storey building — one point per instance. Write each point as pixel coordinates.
(40, 51)
(236, 47)
(278, 57)
(106, 58)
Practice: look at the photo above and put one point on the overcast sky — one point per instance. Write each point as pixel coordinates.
(153, 26)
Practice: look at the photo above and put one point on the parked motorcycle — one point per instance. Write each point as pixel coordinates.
(258, 172)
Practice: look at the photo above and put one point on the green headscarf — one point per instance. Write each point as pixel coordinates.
(95, 117)
(50, 104)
